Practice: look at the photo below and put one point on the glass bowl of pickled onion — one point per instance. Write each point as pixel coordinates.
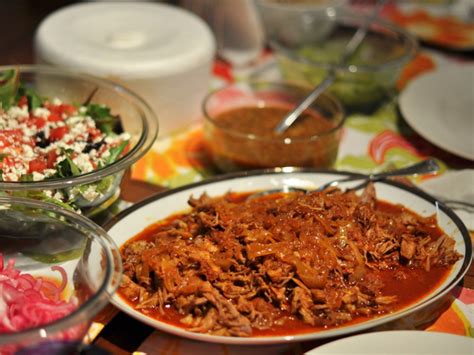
(58, 269)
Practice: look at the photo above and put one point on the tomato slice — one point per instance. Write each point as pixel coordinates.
(55, 117)
(37, 165)
(59, 110)
(51, 159)
(38, 122)
(69, 110)
(23, 101)
(56, 134)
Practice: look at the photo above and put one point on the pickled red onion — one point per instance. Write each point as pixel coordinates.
(27, 301)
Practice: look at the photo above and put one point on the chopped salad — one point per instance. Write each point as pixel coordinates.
(43, 138)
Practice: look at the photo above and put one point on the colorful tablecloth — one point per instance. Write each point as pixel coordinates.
(371, 142)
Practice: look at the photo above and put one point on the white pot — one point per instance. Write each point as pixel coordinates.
(161, 52)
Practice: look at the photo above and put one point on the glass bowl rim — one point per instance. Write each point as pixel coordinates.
(299, 7)
(113, 271)
(411, 47)
(340, 113)
(144, 143)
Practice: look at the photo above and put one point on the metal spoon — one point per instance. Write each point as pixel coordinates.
(350, 48)
(428, 166)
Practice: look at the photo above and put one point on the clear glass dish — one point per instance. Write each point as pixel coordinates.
(232, 147)
(372, 72)
(70, 86)
(298, 21)
(40, 235)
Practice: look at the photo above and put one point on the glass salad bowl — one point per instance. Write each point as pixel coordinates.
(58, 269)
(67, 138)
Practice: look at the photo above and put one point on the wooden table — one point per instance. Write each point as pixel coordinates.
(18, 21)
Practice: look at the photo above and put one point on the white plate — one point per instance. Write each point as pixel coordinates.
(454, 187)
(138, 217)
(439, 106)
(399, 342)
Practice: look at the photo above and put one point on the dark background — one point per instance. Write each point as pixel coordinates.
(18, 22)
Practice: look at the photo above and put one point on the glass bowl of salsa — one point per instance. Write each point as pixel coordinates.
(67, 137)
(58, 269)
(239, 122)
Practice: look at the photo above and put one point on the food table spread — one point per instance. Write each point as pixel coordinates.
(372, 142)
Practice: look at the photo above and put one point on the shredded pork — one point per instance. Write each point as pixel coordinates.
(229, 267)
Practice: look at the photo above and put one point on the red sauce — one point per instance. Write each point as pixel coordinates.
(417, 284)
(261, 121)
(244, 138)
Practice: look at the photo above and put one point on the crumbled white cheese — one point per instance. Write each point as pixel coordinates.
(37, 176)
(46, 131)
(59, 196)
(93, 153)
(83, 162)
(18, 112)
(28, 132)
(90, 193)
(78, 129)
(106, 154)
(109, 140)
(56, 101)
(49, 172)
(28, 152)
(73, 120)
(13, 176)
(124, 136)
(41, 112)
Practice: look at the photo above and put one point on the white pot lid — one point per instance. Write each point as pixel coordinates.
(130, 40)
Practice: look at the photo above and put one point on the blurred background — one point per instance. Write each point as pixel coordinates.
(19, 19)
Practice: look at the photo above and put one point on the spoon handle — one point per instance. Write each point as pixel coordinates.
(298, 110)
(361, 32)
(423, 167)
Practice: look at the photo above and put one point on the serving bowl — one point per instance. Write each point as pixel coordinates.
(65, 248)
(239, 119)
(131, 113)
(139, 217)
(372, 72)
